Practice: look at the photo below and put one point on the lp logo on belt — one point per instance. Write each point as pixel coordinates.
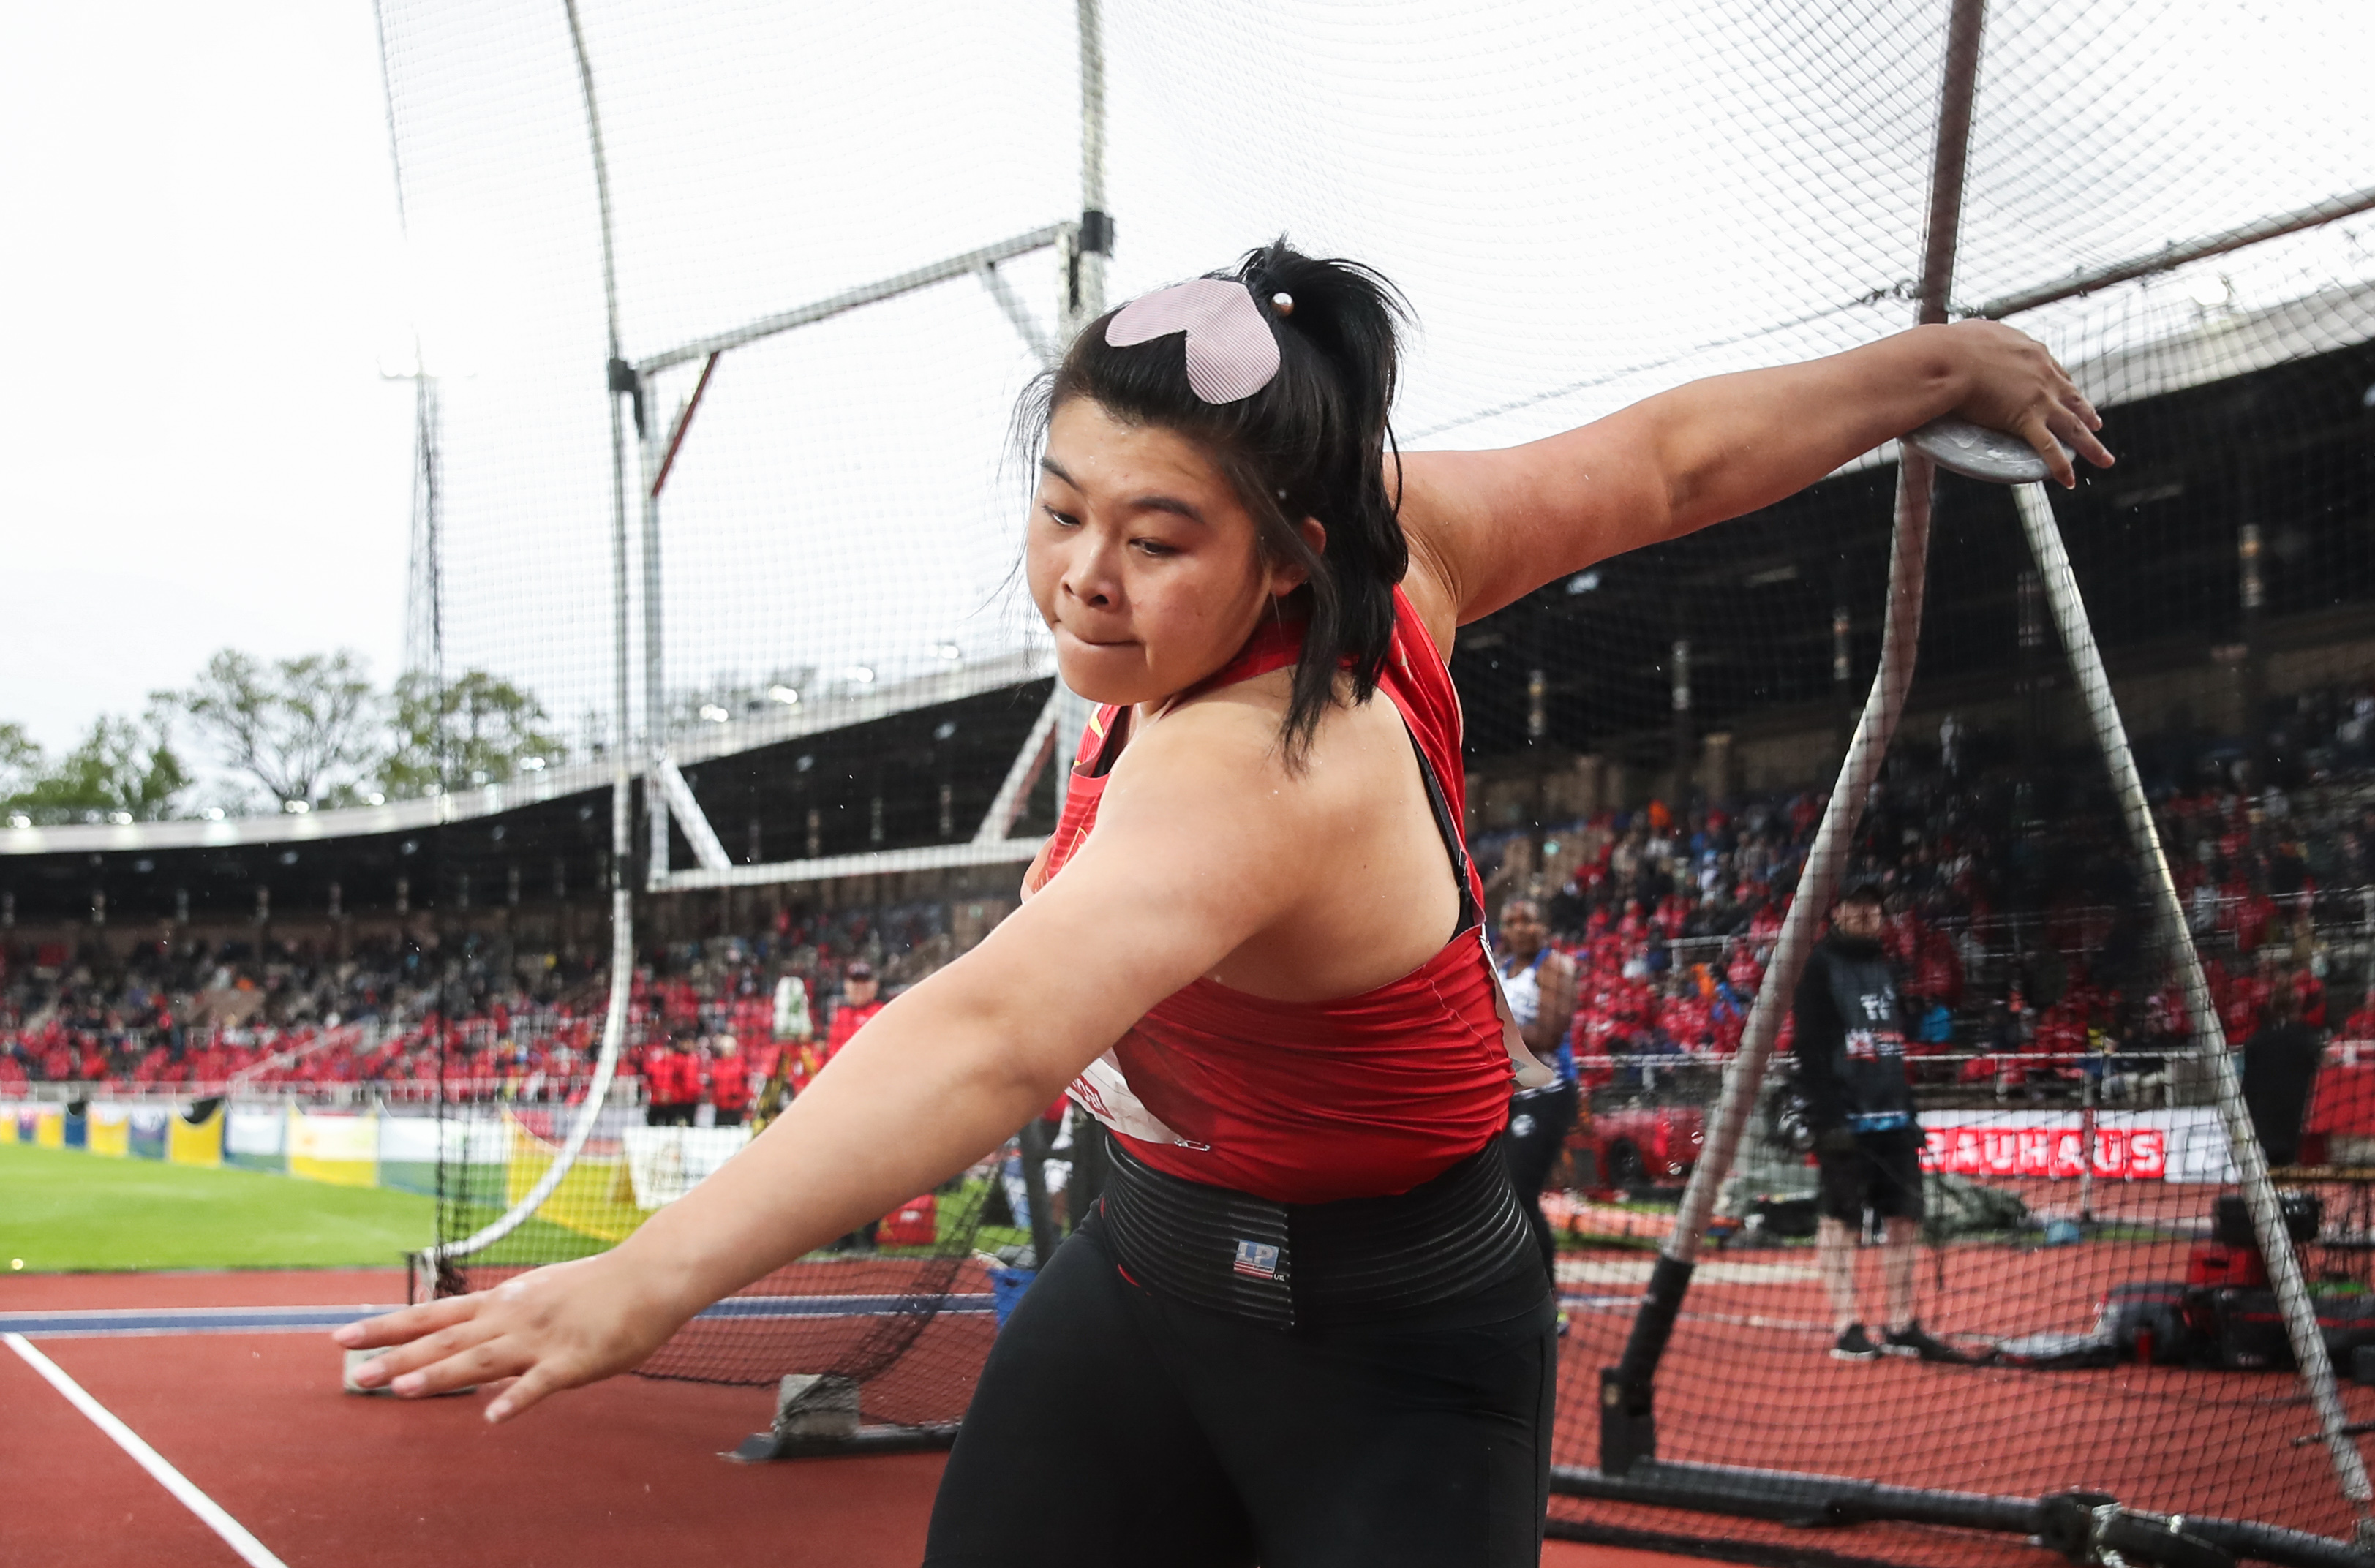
(1257, 1260)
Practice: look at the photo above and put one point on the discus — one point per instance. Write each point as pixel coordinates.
(1978, 452)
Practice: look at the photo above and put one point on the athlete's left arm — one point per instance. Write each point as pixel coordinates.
(1204, 842)
(1488, 527)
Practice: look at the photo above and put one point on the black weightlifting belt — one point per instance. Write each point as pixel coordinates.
(1309, 1265)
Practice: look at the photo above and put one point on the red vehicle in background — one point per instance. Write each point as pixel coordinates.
(1628, 1148)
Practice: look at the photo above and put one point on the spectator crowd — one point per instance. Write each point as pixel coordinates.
(708, 1022)
(2017, 918)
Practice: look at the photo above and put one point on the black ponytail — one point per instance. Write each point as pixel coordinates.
(1312, 443)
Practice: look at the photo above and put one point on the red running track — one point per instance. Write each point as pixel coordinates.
(622, 1472)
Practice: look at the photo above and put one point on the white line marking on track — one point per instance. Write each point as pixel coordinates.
(232, 1532)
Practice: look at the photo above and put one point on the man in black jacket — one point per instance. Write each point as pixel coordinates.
(1850, 1041)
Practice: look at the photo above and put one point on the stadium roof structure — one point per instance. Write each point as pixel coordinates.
(769, 724)
(905, 789)
(2222, 346)
(1773, 606)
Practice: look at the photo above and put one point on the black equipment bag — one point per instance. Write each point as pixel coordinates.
(2147, 1322)
(2230, 1219)
(2240, 1327)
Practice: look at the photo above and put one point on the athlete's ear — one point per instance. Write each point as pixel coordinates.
(1286, 576)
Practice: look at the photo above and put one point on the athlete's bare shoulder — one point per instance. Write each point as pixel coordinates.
(1428, 496)
(1331, 861)
(1226, 742)
(1218, 764)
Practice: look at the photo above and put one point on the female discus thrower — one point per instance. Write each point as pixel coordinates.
(1307, 1324)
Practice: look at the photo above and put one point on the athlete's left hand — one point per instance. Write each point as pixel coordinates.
(2013, 384)
(545, 1330)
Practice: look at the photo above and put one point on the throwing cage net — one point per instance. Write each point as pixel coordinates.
(726, 312)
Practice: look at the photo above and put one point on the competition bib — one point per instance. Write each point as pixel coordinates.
(1103, 1092)
(1530, 1072)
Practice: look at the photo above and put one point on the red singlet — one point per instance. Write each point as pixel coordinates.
(1311, 1102)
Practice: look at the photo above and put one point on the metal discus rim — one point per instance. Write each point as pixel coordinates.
(1977, 452)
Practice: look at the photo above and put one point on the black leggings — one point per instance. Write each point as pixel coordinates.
(1113, 1426)
(1538, 1122)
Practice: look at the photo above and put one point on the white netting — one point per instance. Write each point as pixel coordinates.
(1585, 207)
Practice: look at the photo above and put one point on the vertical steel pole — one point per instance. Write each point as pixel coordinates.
(655, 717)
(1096, 220)
(1085, 300)
(2209, 1034)
(1628, 1425)
(623, 767)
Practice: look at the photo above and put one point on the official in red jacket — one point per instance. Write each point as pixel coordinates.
(671, 1085)
(861, 998)
(729, 1081)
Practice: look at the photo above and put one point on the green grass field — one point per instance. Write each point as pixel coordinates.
(62, 1210)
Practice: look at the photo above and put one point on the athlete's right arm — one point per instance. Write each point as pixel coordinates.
(1201, 845)
(1487, 527)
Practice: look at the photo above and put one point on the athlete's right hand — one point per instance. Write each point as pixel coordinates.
(2012, 383)
(548, 1329)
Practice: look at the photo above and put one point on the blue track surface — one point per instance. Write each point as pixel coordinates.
(314, 1319)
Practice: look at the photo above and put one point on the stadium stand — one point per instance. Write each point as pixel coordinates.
(2010, 916)
(196, 1016)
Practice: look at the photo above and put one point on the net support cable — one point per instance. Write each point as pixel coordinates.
(2174, 255)
(1628, 1422)
(1086, 244)
(431, 1266)
(2168, 258)
(2210, 1035)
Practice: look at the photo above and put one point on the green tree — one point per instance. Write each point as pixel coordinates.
(125, 767)
(477, 729)
(20, 762)
(304, 729)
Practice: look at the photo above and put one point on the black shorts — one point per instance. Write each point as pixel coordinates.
(1882, 1173)
(1182, 1436)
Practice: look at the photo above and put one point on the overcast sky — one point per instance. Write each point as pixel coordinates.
(201, 451)
(206, 272)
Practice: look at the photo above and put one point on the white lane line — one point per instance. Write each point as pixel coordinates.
(234, 1533)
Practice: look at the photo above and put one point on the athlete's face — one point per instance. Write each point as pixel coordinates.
(1142, 560)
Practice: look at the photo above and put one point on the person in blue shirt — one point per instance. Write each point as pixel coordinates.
(1540, 982)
